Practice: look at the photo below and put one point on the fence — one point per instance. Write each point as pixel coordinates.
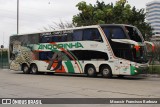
(4, 64)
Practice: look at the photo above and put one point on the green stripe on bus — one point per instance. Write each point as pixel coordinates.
(76, 59)
(69, 67)
(132, 69)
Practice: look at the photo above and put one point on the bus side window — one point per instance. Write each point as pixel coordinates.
(77, 35)
(42, 56)
(55, 38)
(87, 35)
(45, 55)
(92, 34)
(45, 39)
(96, 35)
(118, 33)
(69, 37)
(107, 32)
(64, 38)
(33, 38)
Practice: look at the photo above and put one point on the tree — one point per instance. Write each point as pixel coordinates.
(58, 25)
(120, 13)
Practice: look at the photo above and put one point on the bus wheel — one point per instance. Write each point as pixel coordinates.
(106, 72)
(25, 69)
(91, 71)
(34, 69)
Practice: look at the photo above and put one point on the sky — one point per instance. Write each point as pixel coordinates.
(34, 15)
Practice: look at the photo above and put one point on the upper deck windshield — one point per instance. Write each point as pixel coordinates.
(134, 34)
(122, 49)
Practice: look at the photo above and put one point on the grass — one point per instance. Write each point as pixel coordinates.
(154, 69)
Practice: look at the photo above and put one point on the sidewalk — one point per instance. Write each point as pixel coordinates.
(150, 75)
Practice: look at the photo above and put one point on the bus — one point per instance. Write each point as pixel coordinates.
(109, 49)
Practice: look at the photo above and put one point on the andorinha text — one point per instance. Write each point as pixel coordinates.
(58, 46)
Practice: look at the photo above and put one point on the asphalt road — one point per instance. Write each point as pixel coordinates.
(15, 84)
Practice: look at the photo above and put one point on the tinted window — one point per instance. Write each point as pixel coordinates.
(77, 35)
(114, 32)
(91, 34)
(117, 33)
(64, 38)
(61, 37)
(134, 34)
(89, 55)
(123, 53)
(33, 38)
(107, 32)
(70, 37)
(56, 38)
(45, 55)
(45, 39)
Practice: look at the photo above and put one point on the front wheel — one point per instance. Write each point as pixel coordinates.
(25, 69)
(34, 69)
(91, 71)
(106, 72)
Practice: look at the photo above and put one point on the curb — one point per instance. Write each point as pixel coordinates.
(150, 75)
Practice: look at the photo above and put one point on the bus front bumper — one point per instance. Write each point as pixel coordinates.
(139, 69)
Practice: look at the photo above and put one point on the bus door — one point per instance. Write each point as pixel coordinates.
(123, 65)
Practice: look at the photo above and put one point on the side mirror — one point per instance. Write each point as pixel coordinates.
(150, 46)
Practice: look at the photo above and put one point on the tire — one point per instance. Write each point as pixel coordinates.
(106, 72)
(91, 71)
(34, 69)
(25, 69)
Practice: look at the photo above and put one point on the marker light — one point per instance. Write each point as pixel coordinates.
(137, 47)
(153, 47)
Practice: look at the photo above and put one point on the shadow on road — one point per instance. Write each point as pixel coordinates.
(85, 76)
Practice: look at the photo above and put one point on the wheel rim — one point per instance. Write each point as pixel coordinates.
(105, 71)
(90, 71)
(34, 69)
(25, 69)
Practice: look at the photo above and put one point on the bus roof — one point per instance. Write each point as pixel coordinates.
(82, 27)
(115, 25)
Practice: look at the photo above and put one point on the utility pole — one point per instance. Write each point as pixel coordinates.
(17, 16)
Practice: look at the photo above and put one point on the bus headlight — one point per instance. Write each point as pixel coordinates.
(135, 71)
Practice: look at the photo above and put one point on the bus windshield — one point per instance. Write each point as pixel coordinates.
(122, 49)
(140, 56)
(133, 33)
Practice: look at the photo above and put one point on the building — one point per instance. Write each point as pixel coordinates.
(153, 16)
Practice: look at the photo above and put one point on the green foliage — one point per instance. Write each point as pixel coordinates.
(4, 59)
(120, 13)
(154, 69)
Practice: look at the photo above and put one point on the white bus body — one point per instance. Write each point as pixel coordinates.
(111, 49)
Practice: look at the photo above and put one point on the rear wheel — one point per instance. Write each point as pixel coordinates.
(91, 71)
(25, 69)
(106, 72)
(34, 69)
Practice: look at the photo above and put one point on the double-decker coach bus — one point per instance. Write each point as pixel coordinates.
(109, 49)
